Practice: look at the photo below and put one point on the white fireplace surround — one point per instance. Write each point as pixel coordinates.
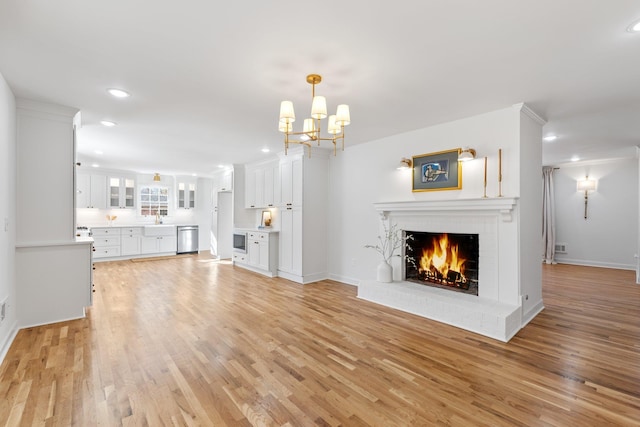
(497, 310)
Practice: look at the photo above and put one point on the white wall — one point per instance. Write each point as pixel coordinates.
(8, 326)
(366, 173)
(609, 237)
(530, 212)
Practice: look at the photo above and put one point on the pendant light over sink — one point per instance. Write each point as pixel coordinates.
(311, 126)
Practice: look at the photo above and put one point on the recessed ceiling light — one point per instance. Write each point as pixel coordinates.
(95, 165)
(107, 123)
(265, 150)
(220, 166)
(550, 138)
(98, 152)
(635, 27)
(194, 174)
(119, 93)
(575, 158)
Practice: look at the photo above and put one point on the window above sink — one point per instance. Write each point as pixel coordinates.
(154, 200)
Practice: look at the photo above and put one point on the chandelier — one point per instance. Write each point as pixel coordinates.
(311, 126)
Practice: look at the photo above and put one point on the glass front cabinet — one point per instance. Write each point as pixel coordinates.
(186, 195)
(122, 193)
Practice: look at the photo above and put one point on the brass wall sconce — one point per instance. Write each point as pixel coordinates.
(586, 185)
(466, 154)
(405, 164)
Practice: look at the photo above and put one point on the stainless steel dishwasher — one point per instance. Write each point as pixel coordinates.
(187, 239)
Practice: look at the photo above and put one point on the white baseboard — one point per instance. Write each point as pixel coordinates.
(587, 263)
(6, 344)
(342, 279)
(533, 312)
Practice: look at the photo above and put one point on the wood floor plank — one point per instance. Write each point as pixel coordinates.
(191, 341)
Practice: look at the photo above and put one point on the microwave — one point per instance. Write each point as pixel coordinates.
(240, 242)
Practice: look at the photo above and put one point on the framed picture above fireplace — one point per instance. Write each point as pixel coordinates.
(437, 171)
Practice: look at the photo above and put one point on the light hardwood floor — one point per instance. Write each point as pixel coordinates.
(191, 341)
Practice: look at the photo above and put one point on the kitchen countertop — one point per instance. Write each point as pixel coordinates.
(259, 230)
(135, 225)
(75, 241)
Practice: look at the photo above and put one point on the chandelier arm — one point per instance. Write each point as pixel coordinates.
(287, 142)
(328, 139)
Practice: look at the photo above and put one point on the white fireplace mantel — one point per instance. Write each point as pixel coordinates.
(502, 205)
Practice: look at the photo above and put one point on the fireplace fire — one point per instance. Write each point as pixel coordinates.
(445, 260)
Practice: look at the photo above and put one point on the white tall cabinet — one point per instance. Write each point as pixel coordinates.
(53, 268)
(303, 215)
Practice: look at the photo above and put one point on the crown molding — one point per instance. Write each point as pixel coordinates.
(524, 108)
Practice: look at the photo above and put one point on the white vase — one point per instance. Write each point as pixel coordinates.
(385, 272)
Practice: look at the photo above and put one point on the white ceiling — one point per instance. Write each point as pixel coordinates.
(207, 77)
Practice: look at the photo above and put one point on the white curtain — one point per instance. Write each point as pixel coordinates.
(548, 217)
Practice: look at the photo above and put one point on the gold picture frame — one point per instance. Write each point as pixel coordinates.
(437, 171)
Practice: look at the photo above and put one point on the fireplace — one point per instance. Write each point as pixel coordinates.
(496, 307)
(443, 260)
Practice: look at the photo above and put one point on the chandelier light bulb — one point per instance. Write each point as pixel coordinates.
(342, 115)
(319, 107)
(286, 112)
(332, 127)
(284, 127)
(309, 126)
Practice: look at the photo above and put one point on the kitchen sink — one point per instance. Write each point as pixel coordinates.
(160, 230)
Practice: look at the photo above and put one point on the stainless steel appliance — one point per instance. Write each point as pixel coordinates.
(240, 242)
(187, 239)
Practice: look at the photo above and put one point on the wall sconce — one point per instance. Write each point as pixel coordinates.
(586, 185)
(467, 154)
(156, 177)
(405, 164)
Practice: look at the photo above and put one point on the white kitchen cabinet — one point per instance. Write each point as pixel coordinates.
(122, 192)
(226, 181)
(291, 240)
(291, 179)
(303, 216)
(130, 241)
(158, 244)
(168, 244)
(159, 240)
(91, 191)
(271, 186)
(258, 178)
(186, 195)
(258, 249)
(262, 253)
(106, 242)
(133, 242)
(240, 258)
(260, 191)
